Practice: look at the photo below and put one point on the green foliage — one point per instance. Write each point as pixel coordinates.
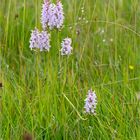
(43, 93)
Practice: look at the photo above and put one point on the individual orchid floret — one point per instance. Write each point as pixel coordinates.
(66, 46)
(90, 102)
(40, 40)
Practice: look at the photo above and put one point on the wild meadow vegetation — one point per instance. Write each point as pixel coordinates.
(42, 94)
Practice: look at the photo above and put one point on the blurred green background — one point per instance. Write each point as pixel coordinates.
(43, 93)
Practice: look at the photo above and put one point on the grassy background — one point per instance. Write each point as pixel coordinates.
(43, 93)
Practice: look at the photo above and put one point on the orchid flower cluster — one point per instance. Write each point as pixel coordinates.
(66, 46)
(90, 102)
(40, 40)
(52, 17)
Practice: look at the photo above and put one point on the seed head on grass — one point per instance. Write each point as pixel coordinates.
(66, 46)
(40, 40)
(52, 15)
(90, 102)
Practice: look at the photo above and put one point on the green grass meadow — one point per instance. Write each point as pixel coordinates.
(43, 93)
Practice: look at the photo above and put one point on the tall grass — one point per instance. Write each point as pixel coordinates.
(43, 93)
